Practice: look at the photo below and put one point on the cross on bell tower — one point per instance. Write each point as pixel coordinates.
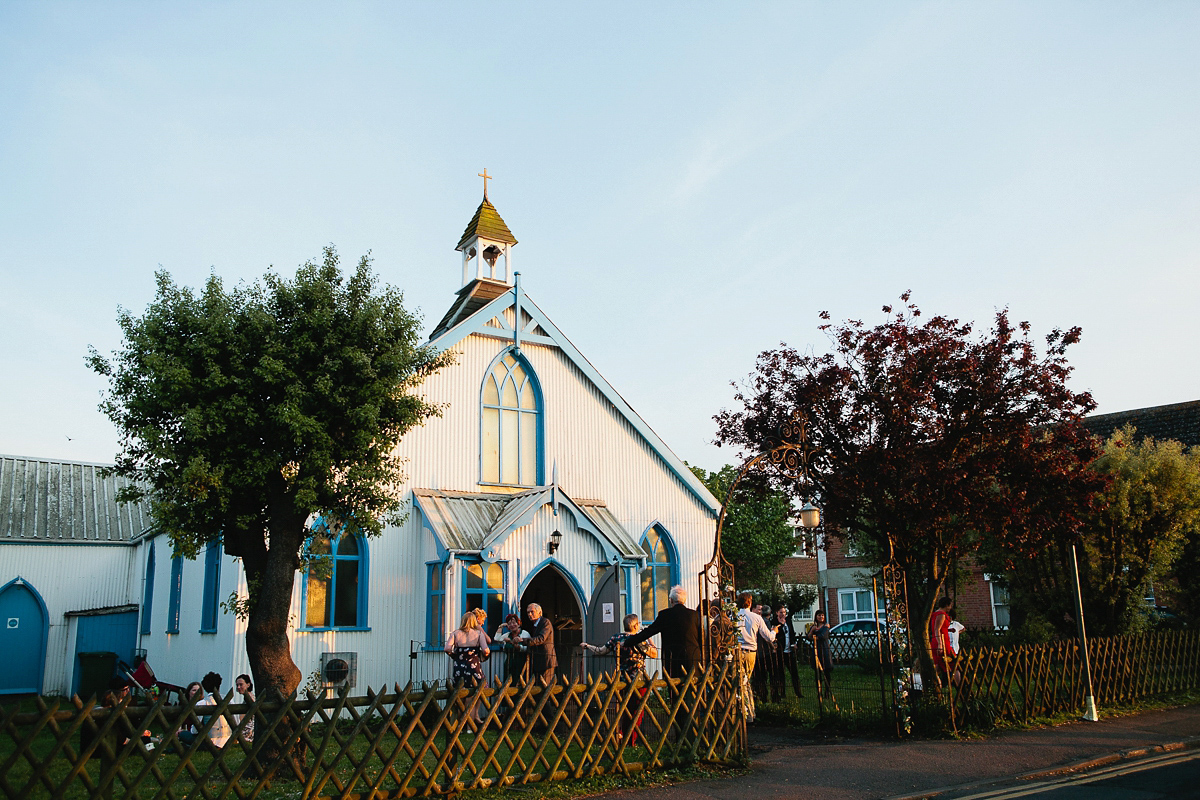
(485, 241)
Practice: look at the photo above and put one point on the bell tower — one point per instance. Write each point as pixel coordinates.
(485, 242)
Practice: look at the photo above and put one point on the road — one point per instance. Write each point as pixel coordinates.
(1170, 775)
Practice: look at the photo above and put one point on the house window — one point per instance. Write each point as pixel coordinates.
(511, 420)
(1000, 617)
(176, 594)
(483, 587)
(212, 586)
(856, 604)
(436, 607)
(659, 572)
(335, 591)
(806, 542)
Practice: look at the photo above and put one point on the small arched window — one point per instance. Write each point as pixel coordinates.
(511, 424)
(335, 591)
(657, 575)
(148, 591)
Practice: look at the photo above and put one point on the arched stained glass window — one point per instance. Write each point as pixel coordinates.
(656, 576)
(335, 592)
(510, 424)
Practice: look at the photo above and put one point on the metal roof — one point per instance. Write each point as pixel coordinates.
(64, 502)
(471, 522)
(486, 224)
(615, 531)
(459, 519)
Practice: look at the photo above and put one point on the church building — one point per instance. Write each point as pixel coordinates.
(538, 483)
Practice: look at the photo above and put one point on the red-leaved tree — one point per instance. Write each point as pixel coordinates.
(928, 439)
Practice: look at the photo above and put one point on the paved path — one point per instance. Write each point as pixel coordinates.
(787, 765)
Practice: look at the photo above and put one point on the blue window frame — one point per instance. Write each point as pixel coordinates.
(483, 587)
(148, 591)
(335, 591)
(435, 609)
(659, 573)
(511, 424)
(176, 594)
(212, 585)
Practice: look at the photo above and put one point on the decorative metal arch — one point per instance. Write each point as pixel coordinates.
(790, 456)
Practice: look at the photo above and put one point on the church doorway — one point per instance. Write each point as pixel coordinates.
(550, 590)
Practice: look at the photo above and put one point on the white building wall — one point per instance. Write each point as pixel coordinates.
(183, 657)
(598, 455)
(69, 577)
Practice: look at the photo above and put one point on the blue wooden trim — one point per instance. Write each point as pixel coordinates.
(363, 558)
(347, 629)
(61, 543)
(430, 566)
(176, 594)
(539, 398)
(551, 561)
(148, 591)
(484, 592)
(478, 320)
(209, 611)
(423, 524)
(45, 624)
(506, 334)
(672, 550)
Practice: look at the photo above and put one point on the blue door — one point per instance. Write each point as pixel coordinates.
(112, 633)
(22, 638)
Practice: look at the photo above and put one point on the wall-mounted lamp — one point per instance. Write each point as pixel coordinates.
(810, 516)
(555, 541)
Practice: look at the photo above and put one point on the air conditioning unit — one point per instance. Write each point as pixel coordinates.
(339, 669)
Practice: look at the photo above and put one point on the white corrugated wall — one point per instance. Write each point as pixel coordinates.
(598, 455)
(69, 577)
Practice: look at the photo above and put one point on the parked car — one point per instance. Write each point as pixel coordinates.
(848, 639)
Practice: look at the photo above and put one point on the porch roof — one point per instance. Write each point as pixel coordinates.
(475, 522)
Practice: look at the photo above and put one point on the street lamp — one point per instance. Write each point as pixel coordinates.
(810, 515)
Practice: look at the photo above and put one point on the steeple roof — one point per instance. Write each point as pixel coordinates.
(487, 224)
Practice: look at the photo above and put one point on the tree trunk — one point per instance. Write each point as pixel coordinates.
(276, 676)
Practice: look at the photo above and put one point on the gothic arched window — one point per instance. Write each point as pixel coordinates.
(659, 572)
(336, 589)
(511, 424)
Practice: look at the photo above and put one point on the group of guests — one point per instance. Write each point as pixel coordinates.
(771, 651)
(208, 689)
(529, 647)
(206, 693)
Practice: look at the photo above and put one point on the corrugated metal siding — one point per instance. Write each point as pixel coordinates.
(598, 455)
(63, 501)
(69, 578)
(186, 656)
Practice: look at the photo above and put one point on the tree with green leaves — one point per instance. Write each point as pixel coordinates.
(1138, 528)
(244, 413)
(756, 536)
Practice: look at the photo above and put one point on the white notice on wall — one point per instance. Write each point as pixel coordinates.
(606, 611)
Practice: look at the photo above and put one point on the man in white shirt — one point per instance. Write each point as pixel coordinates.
(750, 627)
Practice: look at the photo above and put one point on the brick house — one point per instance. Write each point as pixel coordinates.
(980, 603)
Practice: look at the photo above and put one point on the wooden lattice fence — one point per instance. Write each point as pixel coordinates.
(413, 741)
(1017, 683)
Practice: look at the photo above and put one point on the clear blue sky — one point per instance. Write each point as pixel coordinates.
(690, 183)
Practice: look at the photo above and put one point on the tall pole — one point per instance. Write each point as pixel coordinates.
(1089, 711)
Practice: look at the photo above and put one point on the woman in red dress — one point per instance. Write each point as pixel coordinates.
(939, 636)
